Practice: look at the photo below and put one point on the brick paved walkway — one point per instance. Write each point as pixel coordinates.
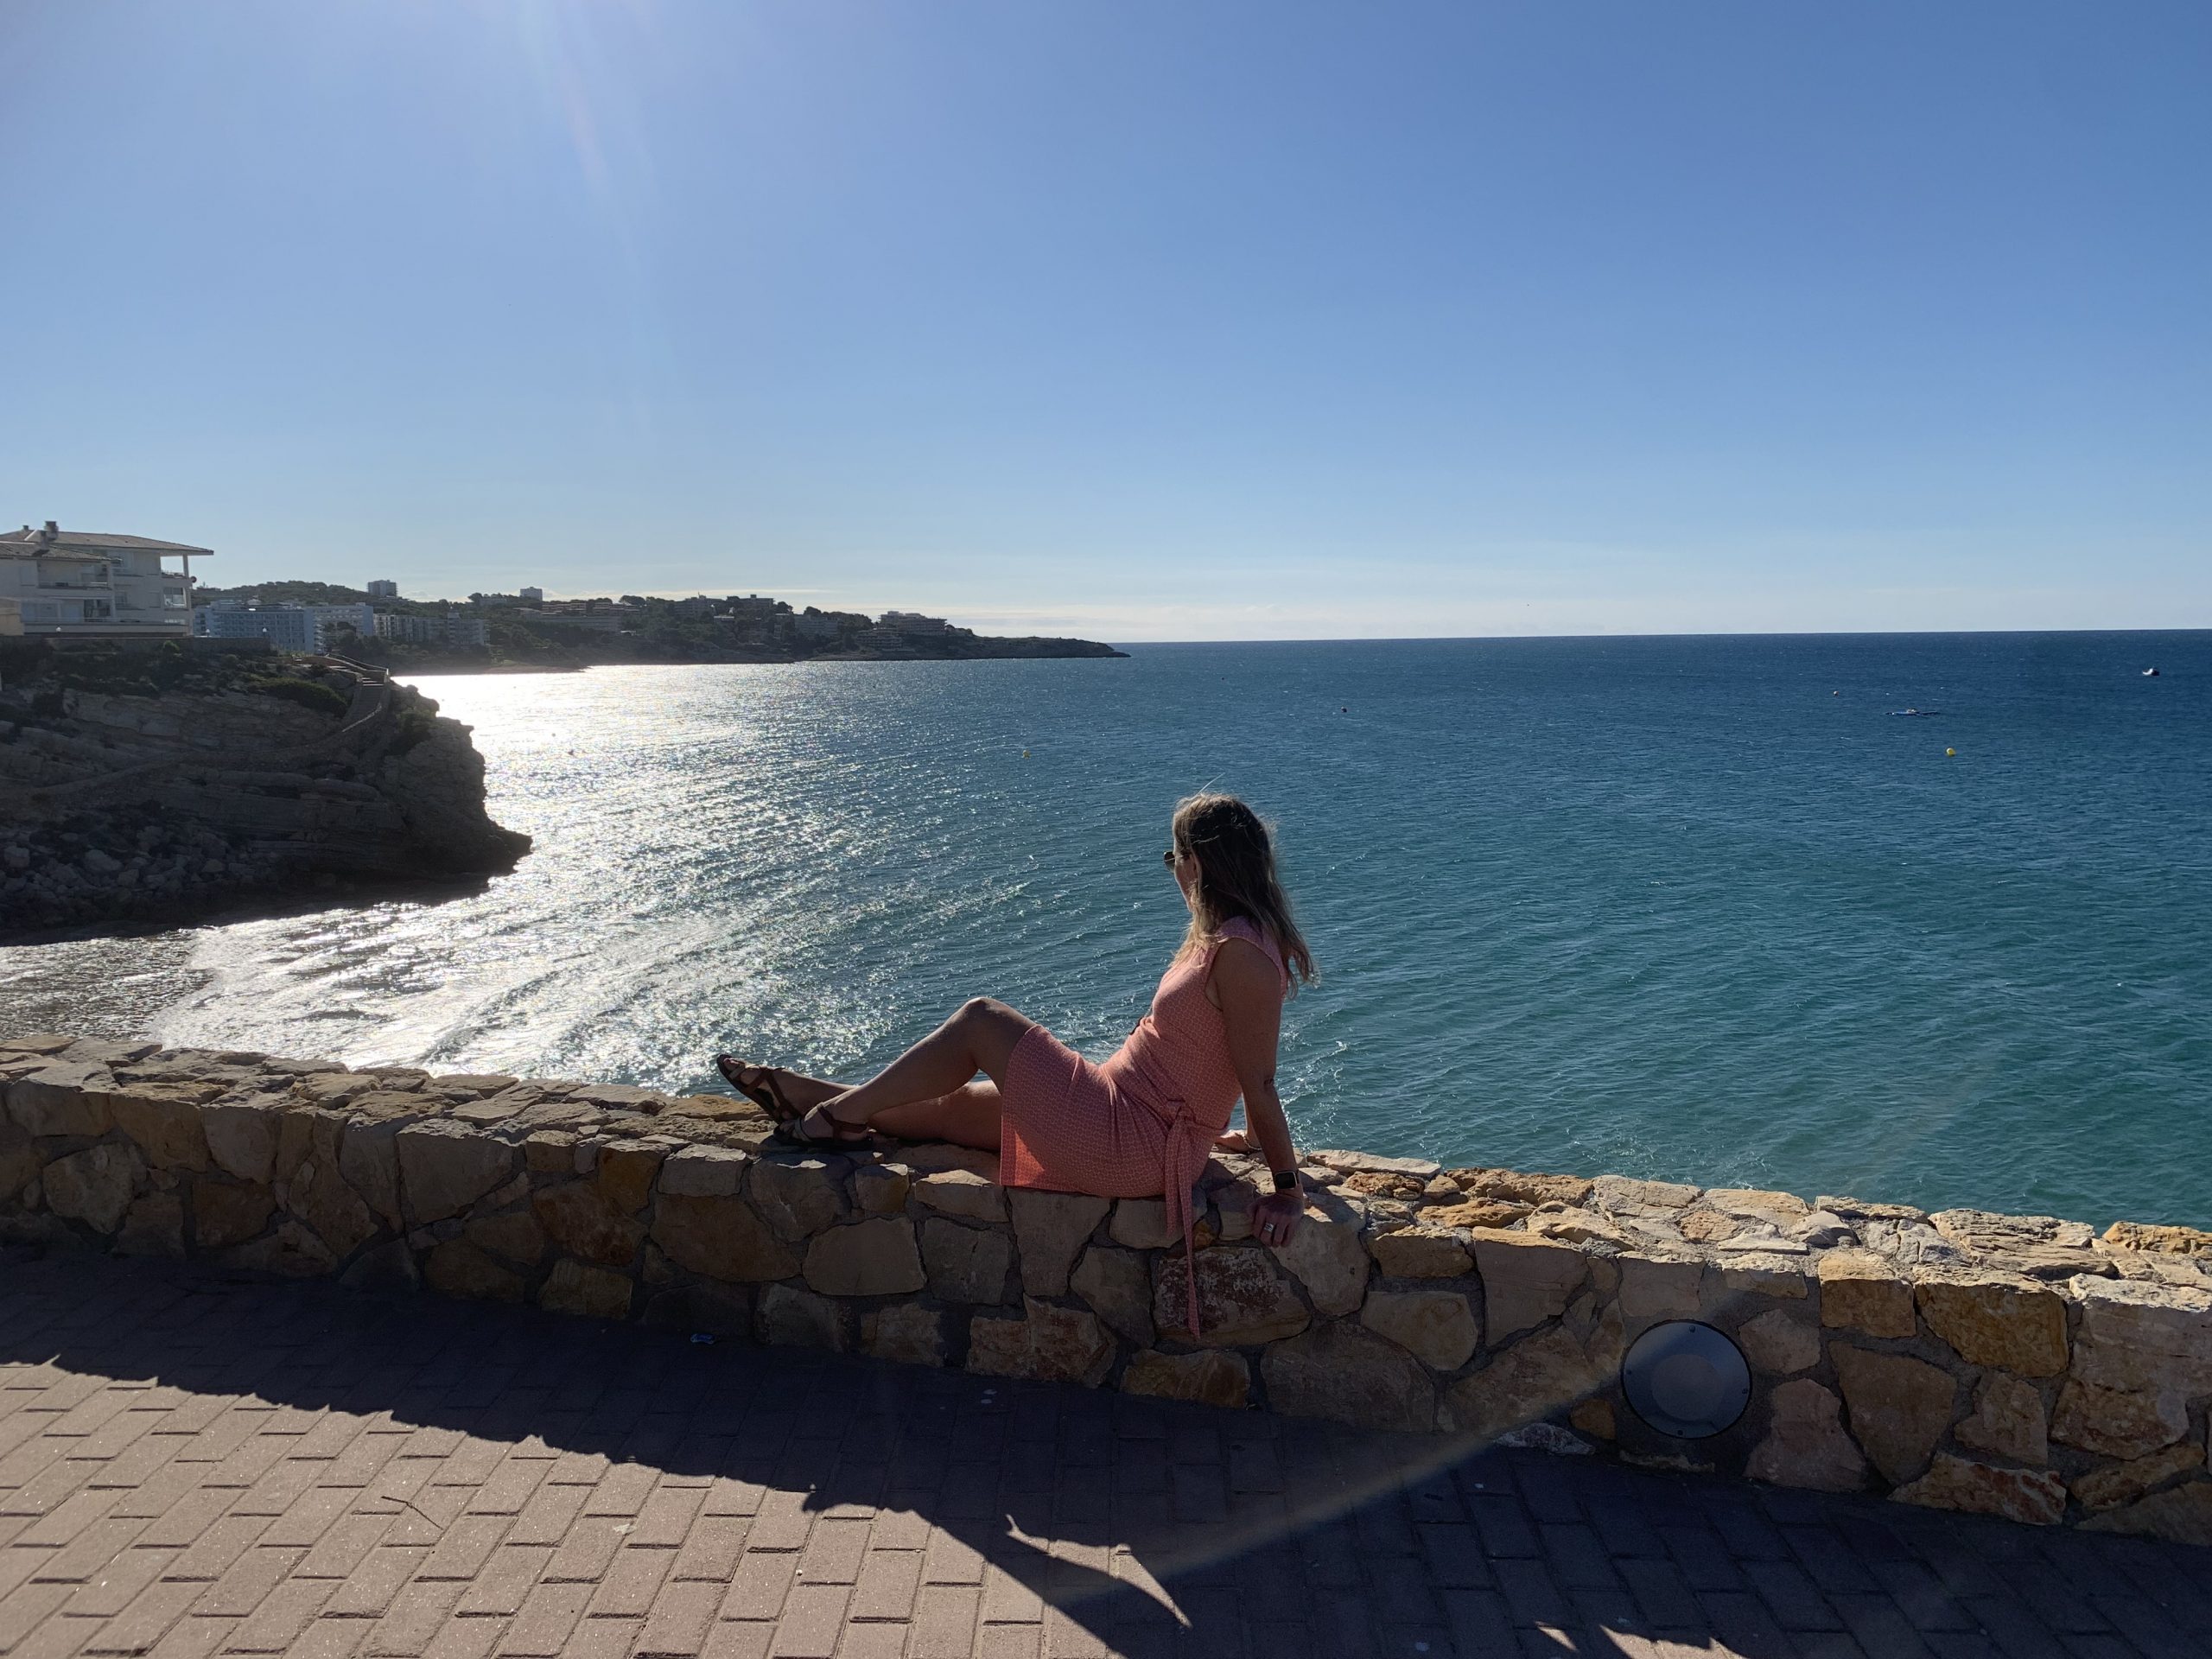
(194, 1466)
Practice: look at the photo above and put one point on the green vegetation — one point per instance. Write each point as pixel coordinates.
(311, 695)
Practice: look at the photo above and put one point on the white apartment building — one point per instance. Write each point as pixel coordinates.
(448, 630)
(381, 589)
(81, 583)
(287, 627)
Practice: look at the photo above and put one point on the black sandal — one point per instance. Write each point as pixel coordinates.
(763, 1092)
(843, 1136)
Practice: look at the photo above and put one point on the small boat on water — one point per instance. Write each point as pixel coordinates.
(1911, 713)
(2150, 673)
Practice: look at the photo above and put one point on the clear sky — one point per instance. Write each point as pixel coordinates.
(1199, 320)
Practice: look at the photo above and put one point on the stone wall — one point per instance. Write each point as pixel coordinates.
(2015, 1365)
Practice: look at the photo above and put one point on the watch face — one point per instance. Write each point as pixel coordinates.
(1686, 1379)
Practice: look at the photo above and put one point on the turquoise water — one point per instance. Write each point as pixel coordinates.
(1701, 909)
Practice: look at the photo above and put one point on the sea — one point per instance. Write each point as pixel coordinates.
(1699, 909)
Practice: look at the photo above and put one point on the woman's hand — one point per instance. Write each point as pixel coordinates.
(1276, 1217)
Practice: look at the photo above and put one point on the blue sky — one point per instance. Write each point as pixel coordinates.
(1205, 320)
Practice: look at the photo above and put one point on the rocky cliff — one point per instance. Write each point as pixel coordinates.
(138, 786)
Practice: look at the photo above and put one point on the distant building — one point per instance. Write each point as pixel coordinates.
(533, 595)
(287, 627)
(84, 583)
(447, 630)
(11, 618)
(384, 590)
(699, 605)
(912, 622)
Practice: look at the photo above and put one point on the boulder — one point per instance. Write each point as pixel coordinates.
(2036, 1247)
(446, 1167)
(1209, 1378)
(1327, 1257)
(1141, 1224)
(457, 1269)
(1437, 1327)
(905, 1332)
(1421, 1253)
(2033, 1496)
(789, 1318)
(368, 1160)
(19, 1160)
(2142, 1335)
(2123, 1483)
(1779, 1343)
(153, 1226)
(1805, 1444)
(961, 1192)
(1244, 1298)
(223, 1214)
(721, 1238)
(704, 1172)
(550, 1151)
(1863, 1292)
(625, 1173)
(866, 1258)
(2153, 1239)
(242, 1135)
(1618, 1195)
(1899, 1406)
(1049, 1344)
(1655, 1287)
(1526, 1280)
(2118, 1422)
(1052, 1229)
(516, 1237)
(965, 1264)
(797, 1197)
(1516, 1187)
(1119, 1290)
(2007, 1418)
(1537, 1378)
(68, 1097)
(1474, 1213)
(592, 1293)
(94, 1186)
(577, 1217)
(2013, 1325)
(1354, 1163)
(2181, 1515)
(1346, 1375)
(880, 1189)
(164, 1118)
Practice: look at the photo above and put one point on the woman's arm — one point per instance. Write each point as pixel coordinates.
(1251, 989)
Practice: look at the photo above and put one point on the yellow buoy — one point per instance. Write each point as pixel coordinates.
(1025, 755)
(1950, 751)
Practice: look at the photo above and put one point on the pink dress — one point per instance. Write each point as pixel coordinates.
(1142, 1124)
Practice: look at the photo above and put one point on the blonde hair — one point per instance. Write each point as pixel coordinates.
(1237, 876)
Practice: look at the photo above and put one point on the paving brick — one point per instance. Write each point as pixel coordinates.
(505, 1580)
(810, 1623)
(281, 1616)
(681, 1616)
(370, 1588)
(464, 1546)
(633, 1579)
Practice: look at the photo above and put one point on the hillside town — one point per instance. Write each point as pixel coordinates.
(76, 584)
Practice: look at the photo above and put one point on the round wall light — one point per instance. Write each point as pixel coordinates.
(1686, 1379)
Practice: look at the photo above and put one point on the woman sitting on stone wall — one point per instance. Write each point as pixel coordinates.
(1142, 1124)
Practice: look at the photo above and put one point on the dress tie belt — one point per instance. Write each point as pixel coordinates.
(1190, 1143)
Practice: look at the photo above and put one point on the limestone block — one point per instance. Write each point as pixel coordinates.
(1756, 1202)
(19, 1160)
(242, 1137)
(2123, 1483)
(720, 1238)
(1863, 1292)
(1805, 1444)
(2182, 1515)
(2007, 1418)
(2145, 1335)
(1572, 1226)
(932, 1156)
(1474, 1213)
(291, 1250)
(1049, 1344)
(1757, 1273)
(869, 1258)
(2153, 1239)
(1353, 1163)
(593, 1293)
(1779, 1343)
(1436, 1326)
(1326, 1255)
(36, 1042)
(797, 1197)
(103, 1051)
(577, 1217)
(704, 1172)
(1618, 1195)
(1346, 1375)
(1899, 1406)
(94, 1186)
(1655, 1287)
(625, 1173)
(964, 1264)
(516, 1237)
(332, 1088)
(1594, 1417)
(1232, 1209)
(904, 1332)
(1538, 1377)
(1525, 1280)
(789, 1318)
(1119, 1290)
(1516, 1187)
(1051, 1228)
(1141, 1224)
(164, 1118)
(2014, 1324)
(446, 1167)
(2036, 1247)
(1208, 1378)
(223, 1214)
(153, 1226)
(961, 1192)
(880, 1189)
(2033, 1496)
(1244, 1298)
(481, 1086)
(457, 1269)
(64, 1099)
(2118, 1422)
(1423, 1253)
(550, 1151)
(368, 1160)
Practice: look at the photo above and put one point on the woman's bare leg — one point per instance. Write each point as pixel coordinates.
(980, 1036)
(969, 1116)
